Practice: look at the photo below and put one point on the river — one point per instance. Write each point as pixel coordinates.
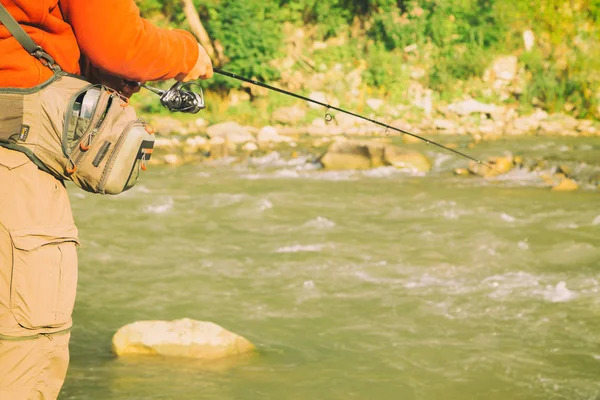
(353, 285)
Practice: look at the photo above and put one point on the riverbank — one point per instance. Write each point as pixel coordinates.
(470, 130)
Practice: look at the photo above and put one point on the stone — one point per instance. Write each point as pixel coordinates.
(462, 171)
(323, 98)
(232, 132)
(565, 185)
(166, 143)
(172, 159)
(551, 127)
(502, 71)
(238, 96)
(471, 106)
(289, 115)
(196, 144)
(354, 154)
(250, 147)
(341, 161)
(522, 125)
(500, 166)
(417, 73)
(528, 39)
(403, 159)
(445, 125)
(179, 338)
(168, 125)
(269, 134)
(375, 104)
(219, 148)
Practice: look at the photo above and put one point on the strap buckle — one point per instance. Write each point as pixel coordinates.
(46, 59)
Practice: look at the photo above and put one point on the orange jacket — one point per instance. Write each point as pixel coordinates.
(109, 33)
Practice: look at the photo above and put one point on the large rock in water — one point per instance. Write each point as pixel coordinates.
(371, 154)
(179, 338)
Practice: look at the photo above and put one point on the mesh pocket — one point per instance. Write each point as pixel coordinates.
(11, 117)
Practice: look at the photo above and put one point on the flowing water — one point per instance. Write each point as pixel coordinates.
(353, 285)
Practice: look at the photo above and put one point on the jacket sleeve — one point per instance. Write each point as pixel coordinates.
(114, 37)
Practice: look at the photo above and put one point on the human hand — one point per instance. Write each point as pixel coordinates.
(203, 68)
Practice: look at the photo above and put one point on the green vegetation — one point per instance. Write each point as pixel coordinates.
(452, 41)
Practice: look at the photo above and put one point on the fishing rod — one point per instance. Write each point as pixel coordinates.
(177, 98)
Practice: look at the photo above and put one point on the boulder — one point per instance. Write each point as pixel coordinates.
(269, 134)
(289, 115)
(341, 161)
(403, 159)
(445, 125)
(565, 185)
(372, 154)
(179, 338)
(172, 159)
(322, 98)
(375, 104)
(168, 125)
(232, 132)
(471, 106)
(500, 166)
(503, 70)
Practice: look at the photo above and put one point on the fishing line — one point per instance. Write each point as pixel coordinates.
(329, 117)
(177, 99)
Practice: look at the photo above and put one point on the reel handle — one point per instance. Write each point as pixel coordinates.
(177, 98)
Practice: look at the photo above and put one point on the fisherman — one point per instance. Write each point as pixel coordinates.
(108, 42)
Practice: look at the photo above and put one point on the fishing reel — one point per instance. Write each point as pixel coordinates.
(179, 98)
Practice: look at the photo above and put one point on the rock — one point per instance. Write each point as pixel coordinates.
(528, 39)
(411, 48)
(269, 134)
(340, 161)
(540, 114)
(565, 185)
(167, 125)
(167, 143)
(289, 115)
(404, 159)
(323, 98)
(179, 338)
(462, 171)
(471, 106)
(354, 79)
(421, 97)
(200, 123)
(500, 166)
(196, 144)
(445, 125)
(237, 96)
(250, 147)
(219, 148)
(375, 104)
(551, 127)
(232, 132)
(172, 159)
(372, 154)
(417, 73)
(524, 125)
(503, 70)
(489, 129)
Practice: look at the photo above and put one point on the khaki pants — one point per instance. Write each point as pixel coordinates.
(38, 279)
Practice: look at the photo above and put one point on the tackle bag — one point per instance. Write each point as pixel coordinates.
(73, 129)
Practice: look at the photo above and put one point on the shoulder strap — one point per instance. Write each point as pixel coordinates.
(23, 38)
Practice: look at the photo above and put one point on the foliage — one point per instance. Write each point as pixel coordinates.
(455, 40)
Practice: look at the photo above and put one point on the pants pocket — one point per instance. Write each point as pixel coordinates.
(44, 276)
